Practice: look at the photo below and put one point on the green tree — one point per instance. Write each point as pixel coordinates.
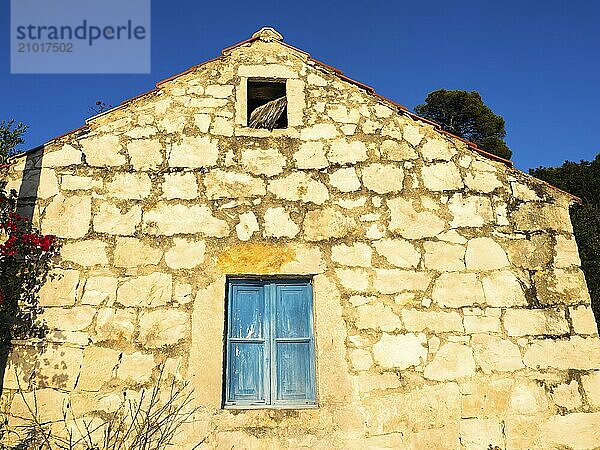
(582, 179)
(10, 137)
(464, 114)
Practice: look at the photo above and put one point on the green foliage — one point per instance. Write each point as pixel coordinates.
(10, 137)
(582, 179)
(26, 258)
(464, 114)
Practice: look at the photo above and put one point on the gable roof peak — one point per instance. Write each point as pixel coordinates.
(268, 34)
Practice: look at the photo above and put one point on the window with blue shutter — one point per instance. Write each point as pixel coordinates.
(270, 359)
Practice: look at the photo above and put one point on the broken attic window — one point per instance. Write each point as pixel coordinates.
(267, 104)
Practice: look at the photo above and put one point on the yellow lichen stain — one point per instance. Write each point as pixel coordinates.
(253, 258)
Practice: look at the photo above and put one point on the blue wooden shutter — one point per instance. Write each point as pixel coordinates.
(247, 344)
(293, 371)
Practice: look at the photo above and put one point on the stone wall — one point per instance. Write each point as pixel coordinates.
(450, 309)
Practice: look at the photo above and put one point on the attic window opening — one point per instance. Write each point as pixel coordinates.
(267, 104)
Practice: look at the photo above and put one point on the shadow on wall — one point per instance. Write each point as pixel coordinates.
(26, 201)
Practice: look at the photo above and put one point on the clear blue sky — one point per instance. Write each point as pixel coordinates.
(537, 62)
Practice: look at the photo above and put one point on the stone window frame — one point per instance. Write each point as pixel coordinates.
(294, 87)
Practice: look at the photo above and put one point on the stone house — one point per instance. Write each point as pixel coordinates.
(354, 277)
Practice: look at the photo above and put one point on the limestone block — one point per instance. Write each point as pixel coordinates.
(494, 354)
(561, 286)
(111, 220)
(66, 156)
(342, 114)
(307, 260)
(327, 223)
(185, 254)
(114, 325)
(222, 126)
(482, 324)
(48, 184)
(523, 192)
(397, 151)
(247, 226)
(311, 155)
(400, 351)
(455, 289)
(146, 290)
(361, 359)
(67, 217)
(318, 132)
(412, 134)
(98, 290)
(182, 293)
(267, 162)
(142, 132)
(534, 253)
(383, 178)
(219, 90)
(452, 361)
(77, 183)
(344, 152)
(470, 211)
(367, 382)
(535, 216)
(202, 121)
(357, 254)
(567, 395)
(103, 151)
(392, 281)
(485, 254)
(353, 279)
(485, 182)
(99, 366)
(398, 252)
(132, 252)
(579, 431)
(180, 185)
(132, 186)
(444, 256)
(566, 253)
(299, 186)
(47, 405)
(85, 253)
(434, 321)
(168, 219)
(136, 368)
(345, 180)
(446, 437)
(411, 223)
(583, 320)
(377, 316)
(69, 319)
(503, 289)
(441, 177)
(421, 408)
(435, 149)
(145, 154)
(60, 289)
(163, 327)
(316, 80)
(591, 386)
(522, 322)
(573, 353)
(277, 223)
(479, 434)
(193, 152)
(223, 184)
